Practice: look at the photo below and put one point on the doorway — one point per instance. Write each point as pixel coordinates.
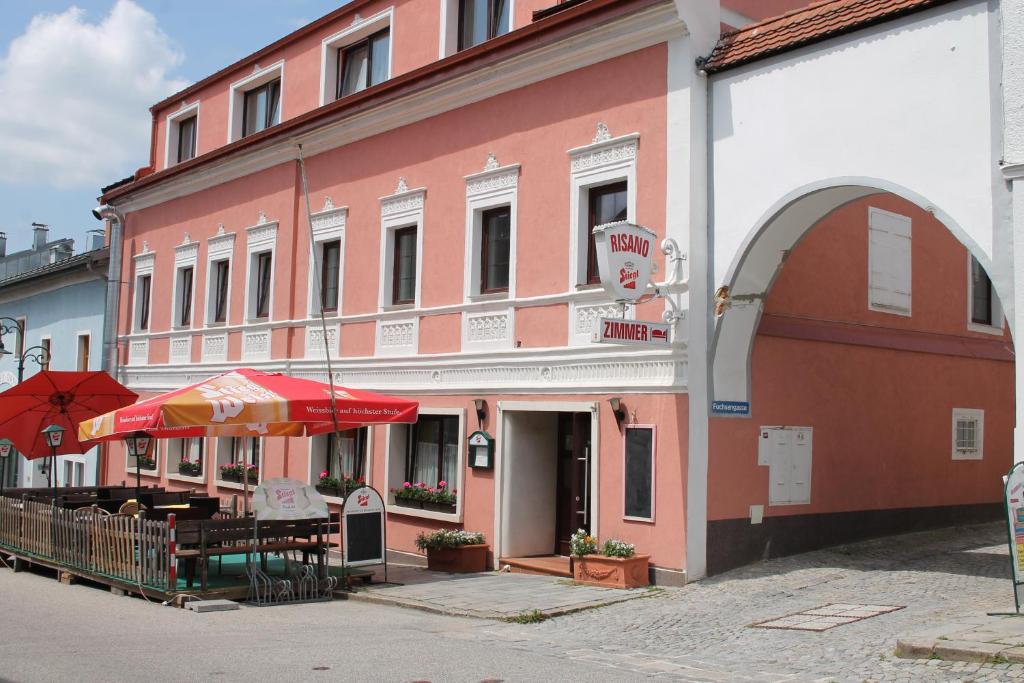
(572, 488)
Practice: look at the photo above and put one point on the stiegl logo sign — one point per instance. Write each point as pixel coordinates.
(624, 253)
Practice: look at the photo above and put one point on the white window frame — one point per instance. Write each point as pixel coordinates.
(316, 443)
(359, 30)
(873, 305)
(604, 161)
(173, 132)
(490, 189)
(978, 416)
(449, 43)
(186, 255)
(327, 226)
(144, 265)
(404, 209)
(998, 320)
(173, 449)
(220, 247)
(236, 99)
(260, 239)
(78, 349)
(157, 452)
(395, 444)
(223, 442)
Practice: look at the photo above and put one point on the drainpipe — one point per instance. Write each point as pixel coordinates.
(108, 359)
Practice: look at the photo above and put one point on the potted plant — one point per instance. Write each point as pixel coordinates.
(454, 550)
(421, 496)
(235, 471)
(617, 565)
(328, 485)
(190, 469)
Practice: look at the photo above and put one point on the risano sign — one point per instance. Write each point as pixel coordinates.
(624, 253)
(619, 331)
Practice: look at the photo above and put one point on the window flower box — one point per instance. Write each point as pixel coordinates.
(188, 468)
(235, 473)
(338, 488)
(409, 503)
(447, 508)
(419, 496)
(454, 550)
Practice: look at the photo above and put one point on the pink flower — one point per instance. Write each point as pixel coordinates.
(362, 480)
(406, 485)
(431, 489)
(442, 484)
(323, 474)
(421, 485)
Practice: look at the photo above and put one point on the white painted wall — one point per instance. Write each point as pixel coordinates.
(529, 483)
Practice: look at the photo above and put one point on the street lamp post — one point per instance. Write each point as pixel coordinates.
(5, 451)
(38, 353)
(54, 437)
(138, 446)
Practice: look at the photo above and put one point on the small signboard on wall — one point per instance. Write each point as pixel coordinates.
(621, 331)
(362, 522)
(481, 451)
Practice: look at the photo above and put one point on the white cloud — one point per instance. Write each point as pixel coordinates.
(76, 96)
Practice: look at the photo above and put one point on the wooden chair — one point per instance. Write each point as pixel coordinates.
(130, 508)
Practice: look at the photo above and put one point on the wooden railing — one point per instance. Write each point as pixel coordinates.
(131, 549)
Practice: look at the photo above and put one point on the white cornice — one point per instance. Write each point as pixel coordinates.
(627, 34)
(1013, 171)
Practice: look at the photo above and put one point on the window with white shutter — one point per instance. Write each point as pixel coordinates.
(888, 262)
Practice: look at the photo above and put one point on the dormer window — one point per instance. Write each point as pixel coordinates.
(364, 63)
(182, 135)
(262, 108)
(187, 139)
(481, 20)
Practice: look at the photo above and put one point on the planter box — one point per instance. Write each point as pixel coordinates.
(448, 508)
(237, 478)
(189, 473)
(406, 503)
(615, 572)
(335, 491)
(464, 559)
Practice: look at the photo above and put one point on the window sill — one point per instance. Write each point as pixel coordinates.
(488, 296)
(215, 325)
(181, 328)
(985, 329)
(587, 287)
(145, 473)
(256, 321)
(456, 516)
(183, 477)
(237, 485)
(398, 307)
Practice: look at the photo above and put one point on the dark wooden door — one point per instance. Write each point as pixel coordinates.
(572, 504)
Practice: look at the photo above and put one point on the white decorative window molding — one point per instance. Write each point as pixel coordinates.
(449, 43)
(396, 448)
(488, 330)
(605, 160)
(236, 100)
(398, 337)
(186, 255)
(889, 262)
(496, 186)
(220, 247)
(403, 209)
(145, 263)
(256, 345)
(583, 318)
(260, 239)
(215, 348)
(327, 225)
(181, 350)
(315, 341)
(358, 30)
(173, 132)
(138, 352)
(968, 434)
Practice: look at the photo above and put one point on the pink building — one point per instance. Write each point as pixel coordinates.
(458, 154)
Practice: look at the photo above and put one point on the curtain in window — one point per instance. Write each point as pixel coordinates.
(425, 467)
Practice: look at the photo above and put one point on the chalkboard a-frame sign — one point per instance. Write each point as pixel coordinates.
(363, 528)
(638, 479)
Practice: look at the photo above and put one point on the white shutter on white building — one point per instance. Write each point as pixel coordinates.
(888, 262)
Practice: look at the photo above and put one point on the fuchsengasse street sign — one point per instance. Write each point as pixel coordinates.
(619, 331)
(624, 254)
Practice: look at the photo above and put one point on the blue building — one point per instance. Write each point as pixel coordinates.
(56, 297)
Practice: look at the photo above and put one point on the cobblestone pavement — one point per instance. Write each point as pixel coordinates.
(702, 631)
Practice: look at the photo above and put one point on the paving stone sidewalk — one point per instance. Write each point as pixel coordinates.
(989, 638)
(490, 595)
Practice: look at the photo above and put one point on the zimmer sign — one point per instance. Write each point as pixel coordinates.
(624, 253)
(619, 331)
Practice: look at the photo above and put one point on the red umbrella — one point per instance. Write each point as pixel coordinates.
(57, 398)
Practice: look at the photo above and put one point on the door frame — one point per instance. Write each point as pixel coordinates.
(502, 462)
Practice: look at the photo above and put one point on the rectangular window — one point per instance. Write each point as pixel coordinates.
(889, 262)
(263, 270)
(496, 231)
(968, 433)
(79, 476)
(330, 262)
(347, 453)
(981, 295)
(481, 20)
(403, 286)
(432, 454)
(46, 354)
(245, 450)
(221, 272)
(142, 295)
(83, 353)
(185, 456)
(606, 204)
(363, 64)
(185, 276)
(187, 138)
(261, 108)
(639, 473)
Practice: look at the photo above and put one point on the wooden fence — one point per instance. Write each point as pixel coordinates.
(124, 547)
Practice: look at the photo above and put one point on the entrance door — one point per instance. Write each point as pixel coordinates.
(572, 494)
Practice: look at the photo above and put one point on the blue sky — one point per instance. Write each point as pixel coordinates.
(82, 76)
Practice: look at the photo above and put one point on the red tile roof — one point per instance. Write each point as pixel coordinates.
(816, 22)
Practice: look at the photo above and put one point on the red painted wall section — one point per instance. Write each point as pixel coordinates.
(882, 418)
